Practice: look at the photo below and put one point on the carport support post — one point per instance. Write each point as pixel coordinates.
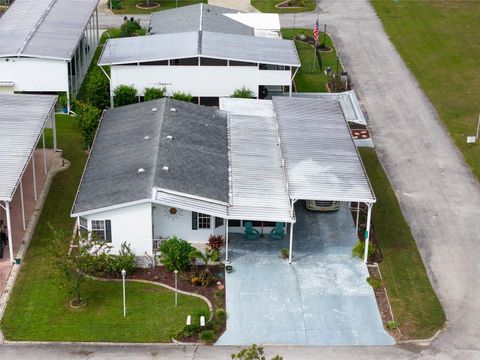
(9, 231)
(44, 153)
(34, 176)
(290, 248)
(23, 206)
(226, 240)
(367, 231)
(358, 216)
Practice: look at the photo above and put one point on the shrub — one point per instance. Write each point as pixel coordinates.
(98, 89)
(252, 353)
(243, 93)
(207, 255)
(152, 93)
(175, 254)
(284, 252)
(221, 315)
(392, 325)
(208, 336)
(374, 282)
(216, 242)
(125, 95)
(114, 4)
(88, 117)
(129, 28)
(359, 250)
(204, 278)
(182, 96)
(125, 260)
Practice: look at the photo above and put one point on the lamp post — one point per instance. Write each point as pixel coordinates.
(176, 294)
(124, 304)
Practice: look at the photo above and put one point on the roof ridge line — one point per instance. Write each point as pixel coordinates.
(37, 25)
(157, 143)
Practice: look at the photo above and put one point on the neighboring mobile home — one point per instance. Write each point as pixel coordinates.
(206, 51)
(46, 46)
(166, 167)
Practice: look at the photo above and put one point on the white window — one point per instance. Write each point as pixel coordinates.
(83, 225)
(102, 230)
(203, 221)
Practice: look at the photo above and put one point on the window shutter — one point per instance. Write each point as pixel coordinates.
(108, 230)
(194, 221)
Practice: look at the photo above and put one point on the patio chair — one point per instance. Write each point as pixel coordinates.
(278, 232)
(250, 232)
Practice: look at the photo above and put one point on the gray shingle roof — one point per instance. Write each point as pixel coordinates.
(205, 44)
(197, 156)
(44, 28)
(187, 18)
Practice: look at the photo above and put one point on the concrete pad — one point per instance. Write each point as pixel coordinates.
(321, 299)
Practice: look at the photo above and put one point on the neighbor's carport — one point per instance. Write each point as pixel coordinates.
(321, 159)
(23, 119)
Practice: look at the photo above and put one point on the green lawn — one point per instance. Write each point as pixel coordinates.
(38, 308)
(130, 6)
(414, 303)
(269, 6)
(310, 78)
(440, 43)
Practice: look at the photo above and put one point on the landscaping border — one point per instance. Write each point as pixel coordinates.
(58, 165)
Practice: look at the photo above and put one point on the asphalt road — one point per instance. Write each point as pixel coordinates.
(437, 192)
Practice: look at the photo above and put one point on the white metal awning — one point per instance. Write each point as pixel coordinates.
(321, 159)
(22, 120)
(258, 187)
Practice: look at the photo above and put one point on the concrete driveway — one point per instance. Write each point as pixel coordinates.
(321, 299)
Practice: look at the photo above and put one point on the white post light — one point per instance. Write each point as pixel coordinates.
(176, 293)
(124, 304)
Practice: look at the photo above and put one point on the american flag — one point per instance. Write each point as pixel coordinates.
(315, 32)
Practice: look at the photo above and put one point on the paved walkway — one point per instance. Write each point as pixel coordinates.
(323, 298)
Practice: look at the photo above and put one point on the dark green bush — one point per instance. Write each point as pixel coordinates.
(88, 117)
(125, 95)
(221, 315)
(182, 96)
(175, 254)
(374, 282)
(208, 336)
(114, 4)
(129, 28)
(124, 260)
(152, 93)
(98, 89)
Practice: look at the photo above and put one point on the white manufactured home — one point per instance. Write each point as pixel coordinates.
(165, 167)
(46, 46)
(210, 58)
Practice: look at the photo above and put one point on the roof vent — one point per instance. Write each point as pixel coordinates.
(154, 110)
(169, 137)
(165, 168)
(147, 137)
(173, 110)
(141, 170)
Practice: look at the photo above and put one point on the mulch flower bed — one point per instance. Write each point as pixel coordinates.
(162, 275)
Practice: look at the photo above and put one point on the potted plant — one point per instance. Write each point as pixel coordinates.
(62, 100)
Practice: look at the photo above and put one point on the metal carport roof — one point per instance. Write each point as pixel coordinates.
(201, 43)
(22, 120)
(44, 28)
(321, 159)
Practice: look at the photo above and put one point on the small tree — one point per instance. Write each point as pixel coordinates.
(216, 242)
(98, 89)
(88, 117)
(182, 96)
(152, 93)
(243, 93)
(253, 353)
(125, 95)
(74, 262)
(174, 254)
